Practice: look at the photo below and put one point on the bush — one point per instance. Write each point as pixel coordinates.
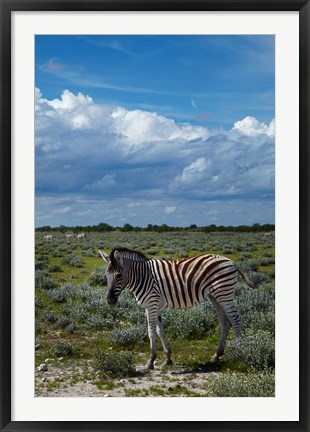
(256, 348)
(44, 281)
(48, 316)
(63, 348)
(119, 364)
(73, 260)
(249, 265)
(55, 268)
(97, 277)
(190, 323)
(89, 252)
(127, 338)
(253, 384)
(100, 322)
(40, 265)
(63, 322)
(57, 295)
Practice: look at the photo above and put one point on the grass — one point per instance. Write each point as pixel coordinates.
(71, 309)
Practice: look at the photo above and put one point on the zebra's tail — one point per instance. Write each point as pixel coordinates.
(247, 280)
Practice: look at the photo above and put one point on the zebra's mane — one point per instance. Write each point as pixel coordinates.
(135, 255)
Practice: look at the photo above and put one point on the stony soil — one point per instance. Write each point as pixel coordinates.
(81, 380)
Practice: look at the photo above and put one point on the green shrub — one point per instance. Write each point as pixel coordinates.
(250, 265)
(70, 328)
(63, 322)
(63, 348)
(99, 322)
(97, 277)
(255, 347)
(44, 281)
(128, 337)
(120, 364)
(190, 323)
(89, 252)
(73, 260)
(40, 265)
(55, 268)
(57, 295)
(253, 384)
(48, 316)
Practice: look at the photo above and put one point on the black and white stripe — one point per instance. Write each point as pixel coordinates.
(159, 284)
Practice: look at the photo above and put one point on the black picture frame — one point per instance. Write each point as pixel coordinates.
(7, 7)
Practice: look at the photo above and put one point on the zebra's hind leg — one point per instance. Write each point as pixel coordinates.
(233, 316)
(225, 326)
(161, 333)
(152, 315)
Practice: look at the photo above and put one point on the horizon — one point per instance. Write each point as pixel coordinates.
(155, 226)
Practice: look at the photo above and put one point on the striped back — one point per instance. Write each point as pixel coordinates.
(178, 283)
(186, 282)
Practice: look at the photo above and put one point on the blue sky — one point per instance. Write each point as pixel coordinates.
(154, 129)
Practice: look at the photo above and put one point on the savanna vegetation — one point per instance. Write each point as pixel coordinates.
(76, 327)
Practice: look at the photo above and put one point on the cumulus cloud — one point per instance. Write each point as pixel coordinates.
(251, 127)
(70, 101)
(104, 150)
(140, 127)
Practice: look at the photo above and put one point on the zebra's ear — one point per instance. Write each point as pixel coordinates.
(118, 257)
(104, 256)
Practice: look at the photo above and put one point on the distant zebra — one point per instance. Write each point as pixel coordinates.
(159, 284)
(48, 237)
(80, 236)
(268, 234)
(68, 236)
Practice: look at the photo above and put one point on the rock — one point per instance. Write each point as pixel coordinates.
(106, 395)
(43, 367)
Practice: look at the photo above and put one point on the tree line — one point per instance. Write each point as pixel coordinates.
(104, 227)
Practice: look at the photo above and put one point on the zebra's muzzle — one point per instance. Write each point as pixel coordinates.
(111, 301)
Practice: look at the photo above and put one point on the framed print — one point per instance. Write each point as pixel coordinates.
(161, 148)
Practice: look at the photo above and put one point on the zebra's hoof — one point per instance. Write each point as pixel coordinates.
(149, 365)
(214, 358)
(167, 363)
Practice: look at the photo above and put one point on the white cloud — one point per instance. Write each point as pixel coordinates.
(69, 101)
(251, 127)
(62, 210)
(102, 184)
(140, 127)
(170, 209)
(193, 172)
(103, 150)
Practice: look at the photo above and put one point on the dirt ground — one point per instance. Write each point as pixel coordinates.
(81, 381)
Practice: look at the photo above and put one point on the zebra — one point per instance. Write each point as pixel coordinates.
(80, 236)
(158, 284)
(48, 237)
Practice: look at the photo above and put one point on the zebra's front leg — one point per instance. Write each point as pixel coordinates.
(152, 314)
(161, 333)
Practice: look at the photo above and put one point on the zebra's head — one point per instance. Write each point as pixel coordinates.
(116, 275)
(119, 264)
